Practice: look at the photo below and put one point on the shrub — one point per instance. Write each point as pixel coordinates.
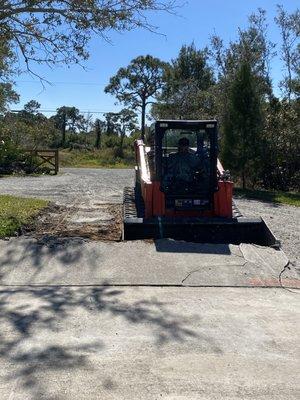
(10, 156)
(14, 159)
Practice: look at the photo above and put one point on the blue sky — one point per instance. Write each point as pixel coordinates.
(74, 86)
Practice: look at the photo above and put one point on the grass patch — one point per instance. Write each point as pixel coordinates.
(16, 212)
(290, 198)
(105, 158)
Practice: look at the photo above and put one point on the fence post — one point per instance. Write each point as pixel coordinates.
(56, 162)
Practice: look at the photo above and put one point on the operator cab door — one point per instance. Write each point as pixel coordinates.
(187, 175)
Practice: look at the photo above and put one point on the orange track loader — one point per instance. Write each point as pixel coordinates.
(186, 194)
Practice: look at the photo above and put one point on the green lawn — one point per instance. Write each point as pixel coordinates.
(16, 212)
(290, 198)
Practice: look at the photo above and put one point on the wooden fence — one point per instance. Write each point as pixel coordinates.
(46, 158)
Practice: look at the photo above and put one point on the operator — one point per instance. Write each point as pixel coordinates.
(183, 163)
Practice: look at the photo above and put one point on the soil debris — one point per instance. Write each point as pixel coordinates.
(58, 221)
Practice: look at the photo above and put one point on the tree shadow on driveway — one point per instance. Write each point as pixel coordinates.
(36, 255)
(40, 328)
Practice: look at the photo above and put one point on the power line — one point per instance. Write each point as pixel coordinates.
(81, 111)
(66, 83)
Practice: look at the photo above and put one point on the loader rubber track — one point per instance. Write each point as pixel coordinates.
(235, 211)
(133, 203)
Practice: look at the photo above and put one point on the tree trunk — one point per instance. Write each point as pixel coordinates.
(63, 140)
(143, 119)
(98, 136)
(121, 144)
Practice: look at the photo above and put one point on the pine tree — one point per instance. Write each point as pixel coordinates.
(241, 147)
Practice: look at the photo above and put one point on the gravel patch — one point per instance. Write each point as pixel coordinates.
(83, 187)
(283, 220)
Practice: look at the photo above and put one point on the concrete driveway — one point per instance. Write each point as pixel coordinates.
(149, 343)
(84, 319)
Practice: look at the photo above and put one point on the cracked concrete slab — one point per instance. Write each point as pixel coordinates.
(75, 261)
(263, 255)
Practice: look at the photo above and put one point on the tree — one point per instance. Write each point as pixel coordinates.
(252, 47)
(192, 64)
(30, 113)
(51, 31)
(7, 94)
(86, 123)
(241, 142)
(280, 162)
(99, 127)
(289, 25)
(126, 122)
(138, 84)
(187, 90)
(110, 123)
(30, 130)
(274, 163)
(32, 107)
(120, 124)
(67, 118)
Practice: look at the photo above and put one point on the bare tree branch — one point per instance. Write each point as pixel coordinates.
(56, 32)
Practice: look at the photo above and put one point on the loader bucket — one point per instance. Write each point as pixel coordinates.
(201, 230)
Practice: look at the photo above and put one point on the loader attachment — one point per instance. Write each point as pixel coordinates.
(201, 230)
(194, 229)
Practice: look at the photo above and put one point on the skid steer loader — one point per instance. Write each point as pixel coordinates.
(182, 191)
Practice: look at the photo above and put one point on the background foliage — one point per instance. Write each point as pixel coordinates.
(259, 129)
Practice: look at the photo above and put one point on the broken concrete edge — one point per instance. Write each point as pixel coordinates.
(161, 263)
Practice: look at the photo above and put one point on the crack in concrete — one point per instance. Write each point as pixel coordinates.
(287, 266)
(189, 274)
(199, 269)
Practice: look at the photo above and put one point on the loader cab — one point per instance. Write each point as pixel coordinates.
(185, 162)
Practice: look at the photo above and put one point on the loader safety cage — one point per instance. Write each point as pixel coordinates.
(199, 131)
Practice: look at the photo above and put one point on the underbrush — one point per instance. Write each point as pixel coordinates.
(15, 160)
